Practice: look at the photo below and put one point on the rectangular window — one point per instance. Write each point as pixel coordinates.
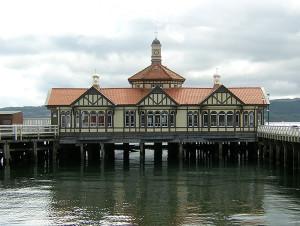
(213, 120)
(150, 120)
(164, 120)
(68, 122)
(195, 120)
(63, 120)
(142, 119)
(77, 120)
(230, 120)
(93, 120)
(101, 120)
(246, 120)
(85, 119)
(172, 119)
(205, 120)
(221, 120)
(109, 120)
(251, 119)
(190, 120)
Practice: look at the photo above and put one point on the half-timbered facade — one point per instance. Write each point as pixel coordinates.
(157, 108)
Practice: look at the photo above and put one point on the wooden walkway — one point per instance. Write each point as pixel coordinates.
(21, 132)
(280, 133)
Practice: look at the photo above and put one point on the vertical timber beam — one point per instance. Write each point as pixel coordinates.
(142, 153)
(220, 149)
(6, 153)
(82, 154)
(54, 153)
(180, 151)
(102, 151)
(35, 154)
(278, 153)
(285, 154)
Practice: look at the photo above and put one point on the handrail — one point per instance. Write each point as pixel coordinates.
(19, 131)
(287, 133)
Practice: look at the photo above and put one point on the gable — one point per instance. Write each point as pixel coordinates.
(92, 97)
(222, 96)
(157, 97)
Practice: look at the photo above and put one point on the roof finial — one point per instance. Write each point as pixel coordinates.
(217, 70)
(155, 33)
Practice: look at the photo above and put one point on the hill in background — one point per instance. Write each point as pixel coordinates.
(31, 111)
(286, 110)
(281, 110)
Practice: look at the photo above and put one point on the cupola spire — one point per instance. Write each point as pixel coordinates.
(96, 80)
(217, 82)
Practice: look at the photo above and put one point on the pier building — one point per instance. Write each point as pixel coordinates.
(157, 108)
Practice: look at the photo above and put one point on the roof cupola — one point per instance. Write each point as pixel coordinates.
(156, 51)
(217, 82)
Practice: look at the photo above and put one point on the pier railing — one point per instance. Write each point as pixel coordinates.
(18, 132)
(282, 133)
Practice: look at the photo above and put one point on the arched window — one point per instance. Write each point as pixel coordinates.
(259, 119)
(93, 119)
(192, 119)
(132, 119)
(157, 119)
(229, 119)
(142, 119)
(251, 119)
(77, 119)
(221, 118)
(109, 118)
(150, 117)
(63, 119)
(85, 119)
(246, 124)
(68, 119)
(205, 119)
(172, 119)
(213, 119)
(164, 119)
(129, 118)
(237, 119)
(101, 119)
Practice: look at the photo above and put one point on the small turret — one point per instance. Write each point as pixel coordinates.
(96, 81)
(217, 82)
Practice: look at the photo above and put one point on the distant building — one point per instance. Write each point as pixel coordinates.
(157, 107)
(11, 117)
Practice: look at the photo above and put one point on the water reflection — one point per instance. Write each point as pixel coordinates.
(158, 192)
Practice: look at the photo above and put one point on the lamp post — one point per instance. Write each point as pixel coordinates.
(268, 109)
(263, 111)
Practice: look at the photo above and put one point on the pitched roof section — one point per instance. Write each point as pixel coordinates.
(64, 96)
(249, 95)
(131, 96)
(156, 71)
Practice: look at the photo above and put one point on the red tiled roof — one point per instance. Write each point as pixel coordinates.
(156, 71)
(249, 95)
(188, 95)
(64, 96)
(131, 96)
(124, 96)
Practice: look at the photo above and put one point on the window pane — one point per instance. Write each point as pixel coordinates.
(213, 119)
(230, 120)
(68, 120)
(205, 119)
(157, 119)
(85, 119)
(195, 120)
(76, 119)
(164, 119)
(172, 119)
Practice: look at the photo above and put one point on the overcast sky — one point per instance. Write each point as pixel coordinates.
(59, 44)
